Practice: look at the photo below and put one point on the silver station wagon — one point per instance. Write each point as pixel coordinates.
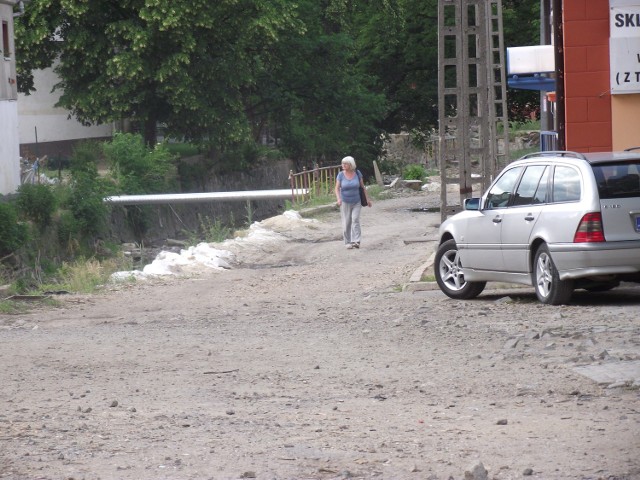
(558, 221)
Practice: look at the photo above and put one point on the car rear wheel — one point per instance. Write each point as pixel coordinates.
(549, 288)
(448, 272)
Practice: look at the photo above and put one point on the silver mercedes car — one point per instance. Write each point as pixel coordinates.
(557, 221)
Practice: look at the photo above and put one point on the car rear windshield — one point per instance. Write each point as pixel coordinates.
(618, 180)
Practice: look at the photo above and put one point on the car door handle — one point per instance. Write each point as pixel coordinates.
(529, 217)
(497, 219)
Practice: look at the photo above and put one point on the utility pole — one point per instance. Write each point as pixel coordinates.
(472, 99)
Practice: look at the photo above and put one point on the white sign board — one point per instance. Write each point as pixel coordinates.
(624, 49)
(527, 60)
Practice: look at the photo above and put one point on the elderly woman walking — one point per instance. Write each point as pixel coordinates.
(348, 185)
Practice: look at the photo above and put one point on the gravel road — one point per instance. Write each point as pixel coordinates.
(306, 360)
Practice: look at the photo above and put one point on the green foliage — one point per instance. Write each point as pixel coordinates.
(187, 64)
(136, 168)
(68, 231)
(182, 149)
(37, 203)
(84, 159)
(318, 79)
(82, 275)
(414, 172)
(377, 192)
(193, 174)
(9, 307)
(87, 206)
(213, 230)
(13, 233)
(238, 158)
(322, 103)
(527, 125)
(398, 44)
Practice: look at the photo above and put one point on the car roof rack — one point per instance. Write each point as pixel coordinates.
(631, 149)
(556, 153)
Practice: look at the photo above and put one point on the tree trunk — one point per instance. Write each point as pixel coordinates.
(150, 131)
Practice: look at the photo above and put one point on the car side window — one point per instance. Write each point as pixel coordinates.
(502, 191)
(566, 184)
(543, 186)
(533, 186)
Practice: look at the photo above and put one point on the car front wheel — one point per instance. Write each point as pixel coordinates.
(448, 272)
(549, 288)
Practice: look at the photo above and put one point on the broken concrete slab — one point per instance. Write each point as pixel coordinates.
(614, 372)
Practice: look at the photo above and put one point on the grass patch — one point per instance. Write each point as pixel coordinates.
(86, 276)
(214, 231)
(10, 307)
(19, 307)
(428, 277)
(82, 276)
(210, 231)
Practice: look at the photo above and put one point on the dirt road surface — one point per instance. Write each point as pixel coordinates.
(310, 361)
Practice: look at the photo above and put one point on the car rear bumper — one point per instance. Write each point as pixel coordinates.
(579, 260)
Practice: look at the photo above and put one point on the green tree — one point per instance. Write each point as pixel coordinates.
(320, 100)
(185, 63)
(322, 77)
(398, 45)
(136, 168)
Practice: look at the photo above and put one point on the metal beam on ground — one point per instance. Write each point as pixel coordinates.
(204, 197)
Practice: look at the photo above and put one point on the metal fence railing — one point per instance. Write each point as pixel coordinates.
(318, 181)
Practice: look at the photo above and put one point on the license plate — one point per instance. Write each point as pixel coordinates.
(638, 223)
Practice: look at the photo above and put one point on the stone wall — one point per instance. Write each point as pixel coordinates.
(173, 221)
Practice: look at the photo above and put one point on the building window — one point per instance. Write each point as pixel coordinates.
(5, 40)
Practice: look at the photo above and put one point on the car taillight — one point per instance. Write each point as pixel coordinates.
(590, 229)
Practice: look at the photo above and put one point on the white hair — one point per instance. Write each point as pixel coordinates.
(350, 161)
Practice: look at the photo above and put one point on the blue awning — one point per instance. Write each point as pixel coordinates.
(532, 82)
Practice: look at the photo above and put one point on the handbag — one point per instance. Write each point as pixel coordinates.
(363, 197)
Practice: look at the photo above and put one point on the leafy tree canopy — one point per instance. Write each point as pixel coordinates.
(182, 62)
(322, 78)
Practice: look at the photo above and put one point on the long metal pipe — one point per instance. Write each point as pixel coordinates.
(203, 197)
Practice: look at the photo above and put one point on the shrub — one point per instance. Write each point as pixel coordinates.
(37, 203)
(83, 275)
(85, 198)
(214, 231)
(414, 172)
(238, 157)
(12, 233)
(84, 159)
(136, 168)
(87, 206)
(68, 231)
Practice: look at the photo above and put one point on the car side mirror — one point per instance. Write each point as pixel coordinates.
(472, 203)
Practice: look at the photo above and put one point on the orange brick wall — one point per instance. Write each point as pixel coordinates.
(587, 96)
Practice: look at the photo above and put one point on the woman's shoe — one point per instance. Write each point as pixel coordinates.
(356, 245)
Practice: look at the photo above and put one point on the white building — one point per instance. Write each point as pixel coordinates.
(9, 139)
(45, 129)
(31, 125)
